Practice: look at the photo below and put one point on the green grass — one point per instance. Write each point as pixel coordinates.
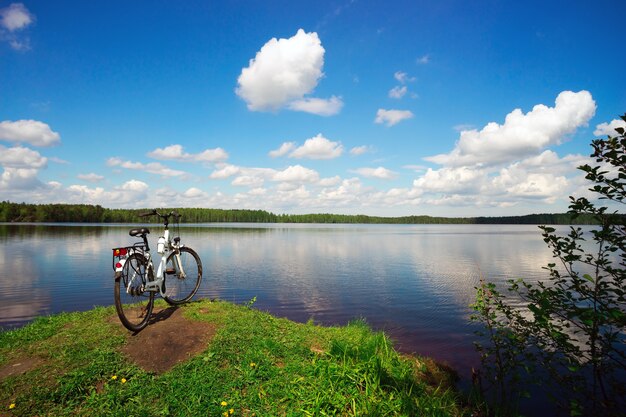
(257, 364)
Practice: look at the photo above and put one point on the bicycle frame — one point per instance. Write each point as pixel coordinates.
(164, 247)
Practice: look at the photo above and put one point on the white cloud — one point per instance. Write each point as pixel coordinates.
(318, 147)
(257, 191)
(91, 177)
(248, 181)
(461, 180)
(329, 182)
(506, 165)
(521, 134)
(131, 193)
(13, 20)
(151, 168)
(518, 183)
(319, 106)
(284, 149)
(360, 150)
(398, 91)
(608, 129)
(380, 173)
(15, 17)
(348, 192)
(21, 158)
(195, 193)
(283, 72)
(403, 77)
(296, 173)
(224, 172)
(392, 117)
(176, 153)
(135, 186)
(32, 132)
(20, 179)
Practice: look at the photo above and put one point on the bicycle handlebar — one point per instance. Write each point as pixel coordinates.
(163, 216)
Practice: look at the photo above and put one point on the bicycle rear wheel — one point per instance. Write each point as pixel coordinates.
(132, 302)
(182, 280)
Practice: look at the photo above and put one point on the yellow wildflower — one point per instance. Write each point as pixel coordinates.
(225, 413)
(224, 403)
(252, 364)
(114, 377)
(12, 406)
(231, 411)
(123, 380)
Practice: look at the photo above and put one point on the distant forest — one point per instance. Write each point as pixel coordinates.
(84, 213)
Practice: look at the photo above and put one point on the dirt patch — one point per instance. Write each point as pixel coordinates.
(19, 367)
(169, 339)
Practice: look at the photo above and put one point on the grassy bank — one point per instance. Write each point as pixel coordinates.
(252, 365)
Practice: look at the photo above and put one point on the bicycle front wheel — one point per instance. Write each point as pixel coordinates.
(132, 302)
(183, 273)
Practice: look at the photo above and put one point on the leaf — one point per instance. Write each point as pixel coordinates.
(588, 278)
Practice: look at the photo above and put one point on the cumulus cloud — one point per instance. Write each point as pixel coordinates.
(380, 173)
(176, 153)
(608, 129)
(224, 172)
(504, 165)
(131, 193)
(521, 134)
(151, 168)
(13, 19)
(135, 186)
(284, 149)
(349, 191)
(283, 72)
(318, 147)
(461, 180)
(32, 132)
(296, 173)
(22, 158)
(392, 117)
(248, 181)
(20, 179)
(195, 193)
(330, 181)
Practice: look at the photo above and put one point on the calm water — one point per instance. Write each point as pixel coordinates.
(413, 281)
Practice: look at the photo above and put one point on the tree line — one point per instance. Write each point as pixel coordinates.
(86, 213)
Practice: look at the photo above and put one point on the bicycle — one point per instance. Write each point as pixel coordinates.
(135, 280)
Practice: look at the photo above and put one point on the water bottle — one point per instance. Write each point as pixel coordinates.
(161, 245)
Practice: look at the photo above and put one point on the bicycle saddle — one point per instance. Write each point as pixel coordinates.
(139, 232)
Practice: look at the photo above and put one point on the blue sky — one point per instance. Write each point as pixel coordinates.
(451, 108)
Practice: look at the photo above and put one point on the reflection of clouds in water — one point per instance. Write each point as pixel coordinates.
(330, 270)
(454, 262)
(21, 296)
(48, 269)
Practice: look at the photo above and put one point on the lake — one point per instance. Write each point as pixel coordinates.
(415, 282)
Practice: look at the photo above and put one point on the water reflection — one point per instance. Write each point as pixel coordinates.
(416, 282)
